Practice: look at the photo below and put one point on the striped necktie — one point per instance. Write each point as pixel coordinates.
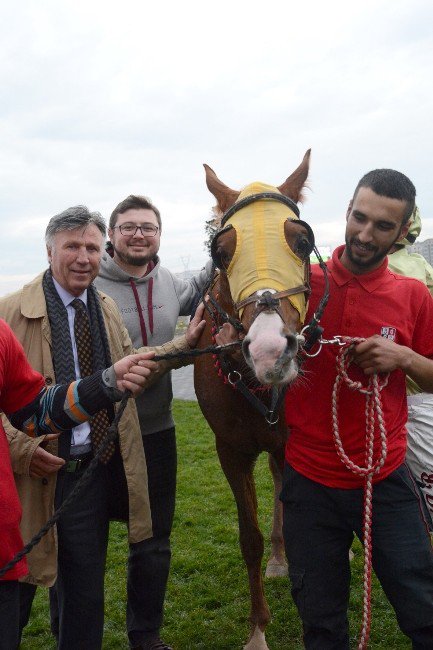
(100, 422)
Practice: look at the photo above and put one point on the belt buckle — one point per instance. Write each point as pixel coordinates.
(73, 465)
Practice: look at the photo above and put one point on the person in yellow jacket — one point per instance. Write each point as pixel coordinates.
(420, 405)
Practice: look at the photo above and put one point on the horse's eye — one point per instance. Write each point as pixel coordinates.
(225, 259)
(302, 247)
(221, 258)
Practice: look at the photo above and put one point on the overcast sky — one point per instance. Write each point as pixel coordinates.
(103, 99)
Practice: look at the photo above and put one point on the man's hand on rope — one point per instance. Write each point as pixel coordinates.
(377, 354)
(195, 327)
(134, 371)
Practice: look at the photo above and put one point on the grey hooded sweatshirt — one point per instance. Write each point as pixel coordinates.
(161, 297)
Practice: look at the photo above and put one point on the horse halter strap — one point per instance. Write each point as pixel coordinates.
(268, 302)
(273, 196)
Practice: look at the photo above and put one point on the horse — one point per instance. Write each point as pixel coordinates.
(261, 286)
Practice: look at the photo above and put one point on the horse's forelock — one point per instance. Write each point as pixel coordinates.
(217, 215)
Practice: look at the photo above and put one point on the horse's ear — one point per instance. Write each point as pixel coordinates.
(293, 185)
(223, 194)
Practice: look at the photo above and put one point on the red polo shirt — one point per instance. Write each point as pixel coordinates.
(19, 385)
(380, 302)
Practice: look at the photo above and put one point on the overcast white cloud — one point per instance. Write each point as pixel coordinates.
(102, 99)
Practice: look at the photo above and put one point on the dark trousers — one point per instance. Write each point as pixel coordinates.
(83, 537)
(82, 547)
(9, 614)
(149, 561)
(26, 595)
(319, 523)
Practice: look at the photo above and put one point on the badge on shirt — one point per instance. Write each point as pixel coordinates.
(388, 333)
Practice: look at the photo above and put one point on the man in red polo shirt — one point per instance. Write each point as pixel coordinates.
(323, 500)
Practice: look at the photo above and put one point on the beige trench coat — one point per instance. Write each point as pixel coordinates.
(26, 313)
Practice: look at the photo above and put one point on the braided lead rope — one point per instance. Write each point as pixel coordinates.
(373, 413)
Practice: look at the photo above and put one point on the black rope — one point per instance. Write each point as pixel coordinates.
(111, 436)
(211, 349)
(82, 483)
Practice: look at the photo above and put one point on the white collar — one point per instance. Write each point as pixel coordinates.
(67, 297)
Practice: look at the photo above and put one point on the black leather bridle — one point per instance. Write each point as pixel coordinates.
(268, 301)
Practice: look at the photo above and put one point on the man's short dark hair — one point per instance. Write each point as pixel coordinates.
(134, 202)
(392, 184)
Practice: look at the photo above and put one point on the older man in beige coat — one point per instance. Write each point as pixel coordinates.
(74, 246)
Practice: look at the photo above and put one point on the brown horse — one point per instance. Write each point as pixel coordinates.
(262, 254)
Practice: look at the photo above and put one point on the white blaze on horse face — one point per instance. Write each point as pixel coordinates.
(269, 352)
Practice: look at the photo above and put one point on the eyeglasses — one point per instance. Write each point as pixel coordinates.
(130, 229)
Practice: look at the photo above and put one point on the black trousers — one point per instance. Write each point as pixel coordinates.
(319, 526)
(9, 614)
(149, 561)
(82, 547)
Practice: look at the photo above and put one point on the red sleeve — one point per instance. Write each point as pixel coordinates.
(19, 383)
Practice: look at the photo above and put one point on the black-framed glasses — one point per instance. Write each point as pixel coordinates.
(130, 229)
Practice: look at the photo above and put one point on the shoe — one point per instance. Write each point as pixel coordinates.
(153, 644)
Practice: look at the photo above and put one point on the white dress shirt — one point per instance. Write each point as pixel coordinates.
(80, 439)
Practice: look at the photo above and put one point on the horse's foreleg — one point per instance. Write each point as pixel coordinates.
(238, 469)
(277, 564)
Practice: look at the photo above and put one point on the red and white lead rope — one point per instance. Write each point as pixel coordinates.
(373, 414)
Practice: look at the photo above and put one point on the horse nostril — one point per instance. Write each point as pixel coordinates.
(291, 345)
(246, 348)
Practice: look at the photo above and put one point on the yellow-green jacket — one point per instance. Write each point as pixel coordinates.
(412, 265)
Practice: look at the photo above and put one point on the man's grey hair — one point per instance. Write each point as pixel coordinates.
(76, 217)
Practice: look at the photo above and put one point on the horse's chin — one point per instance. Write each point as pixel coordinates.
(280, 374)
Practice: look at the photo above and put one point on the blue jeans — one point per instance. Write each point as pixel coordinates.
(319, 526)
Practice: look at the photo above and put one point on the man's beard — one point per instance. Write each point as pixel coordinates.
(134, 260)
(377, 257)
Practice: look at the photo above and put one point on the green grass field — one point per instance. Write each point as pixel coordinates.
(207, 603)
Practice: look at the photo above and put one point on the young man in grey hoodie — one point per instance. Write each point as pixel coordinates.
(150, 299)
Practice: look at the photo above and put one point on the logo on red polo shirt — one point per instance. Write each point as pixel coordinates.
(388, 333)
